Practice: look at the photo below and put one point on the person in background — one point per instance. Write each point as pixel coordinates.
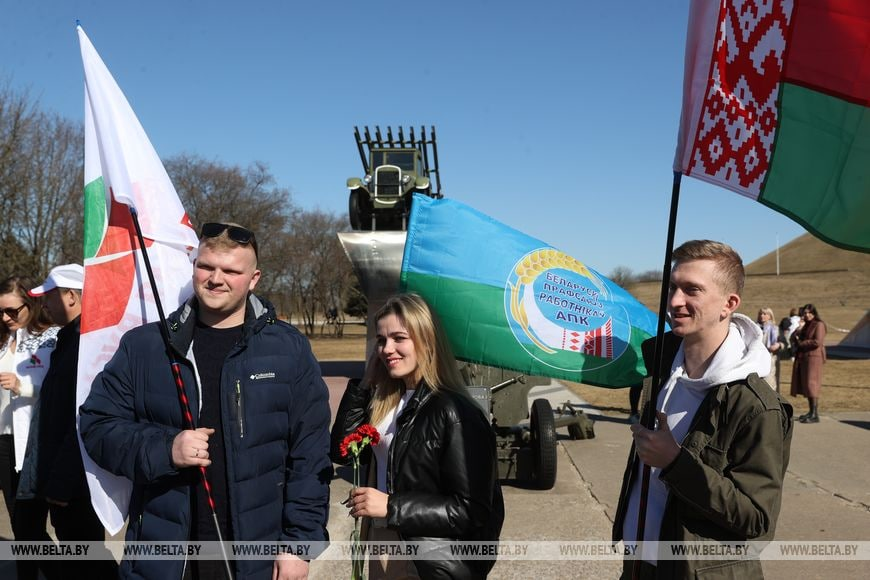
(788, 326)
(770, 339)
(809, 356)
(55, 469)
(795, 320)
(436, 472)
(27, 339)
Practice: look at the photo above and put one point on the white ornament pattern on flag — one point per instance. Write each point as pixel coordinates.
(739, 117)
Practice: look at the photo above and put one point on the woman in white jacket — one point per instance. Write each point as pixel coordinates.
(27, 338)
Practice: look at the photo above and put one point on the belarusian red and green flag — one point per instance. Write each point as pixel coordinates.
(775, 108)
(122, 169)
(511, 301)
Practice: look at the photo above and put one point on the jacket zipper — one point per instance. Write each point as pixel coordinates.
(396, 437)
(240, 409)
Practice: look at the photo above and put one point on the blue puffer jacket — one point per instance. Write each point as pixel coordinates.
(275, 418)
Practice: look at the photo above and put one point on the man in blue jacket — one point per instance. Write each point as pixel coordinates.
(261, 422)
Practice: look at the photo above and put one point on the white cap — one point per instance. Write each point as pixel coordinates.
(66, 276)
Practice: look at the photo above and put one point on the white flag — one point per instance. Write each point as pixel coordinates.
(122, 170)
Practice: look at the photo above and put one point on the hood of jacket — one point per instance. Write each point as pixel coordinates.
(741, 354)
(258, 312)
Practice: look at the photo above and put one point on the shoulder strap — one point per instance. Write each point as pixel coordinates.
(768, 397)
(762, 390)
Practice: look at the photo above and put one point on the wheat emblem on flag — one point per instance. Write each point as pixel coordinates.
(559, 310)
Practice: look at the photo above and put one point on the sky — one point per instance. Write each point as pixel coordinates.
(558, 118)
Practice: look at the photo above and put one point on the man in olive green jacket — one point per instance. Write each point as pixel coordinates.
(720, 451)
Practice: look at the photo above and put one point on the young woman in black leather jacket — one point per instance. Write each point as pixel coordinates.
(435, 474)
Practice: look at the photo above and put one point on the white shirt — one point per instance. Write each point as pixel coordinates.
(740, 354)
(7, 365)
(387, 429)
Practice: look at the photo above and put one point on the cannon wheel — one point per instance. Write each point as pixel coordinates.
(360, 219)
(542, 427)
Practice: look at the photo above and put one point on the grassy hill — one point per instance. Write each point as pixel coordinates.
(836, 281)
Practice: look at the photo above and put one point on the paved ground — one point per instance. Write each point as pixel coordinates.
(826, 492)
(827, 497)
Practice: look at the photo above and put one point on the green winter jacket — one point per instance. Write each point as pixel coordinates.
(726, 483)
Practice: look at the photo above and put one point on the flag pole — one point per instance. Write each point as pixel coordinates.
(179, 382)
(651, 396)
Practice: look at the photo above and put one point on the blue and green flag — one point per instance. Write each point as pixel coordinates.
(510, 301)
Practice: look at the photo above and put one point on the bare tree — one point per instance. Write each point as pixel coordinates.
(213, 192)
(621, 275)
(41, 154)
(337, 278)
(51, 216)
(40, 187)
(649, 276)
(318, 273)
(16, 119)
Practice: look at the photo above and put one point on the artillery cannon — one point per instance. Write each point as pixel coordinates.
(525, 435)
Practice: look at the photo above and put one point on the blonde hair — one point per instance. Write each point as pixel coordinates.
(729, 273)
(436, 367)
(223, 241)
(768, 311)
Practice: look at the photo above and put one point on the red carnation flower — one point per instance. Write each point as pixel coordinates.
(370, 432)
(355, 442)
(350, 443)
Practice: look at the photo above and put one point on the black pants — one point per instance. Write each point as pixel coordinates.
(26, 516)
(28, 524)
(8, 475)
(77, 522)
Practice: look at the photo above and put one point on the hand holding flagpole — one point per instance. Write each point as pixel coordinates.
(122, 168)
(656, 448)
(182, 395)
(651, 392)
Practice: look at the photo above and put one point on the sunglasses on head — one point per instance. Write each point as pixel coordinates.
(13, 312)
(237, 234)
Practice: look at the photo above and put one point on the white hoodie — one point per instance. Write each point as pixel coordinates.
(741, 354)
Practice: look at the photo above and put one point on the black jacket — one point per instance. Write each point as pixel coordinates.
(60, 474)
(442, 474)
(275, 418)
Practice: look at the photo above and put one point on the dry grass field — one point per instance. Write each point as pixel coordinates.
(836, 281)
(351, 346)
(845, 387)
